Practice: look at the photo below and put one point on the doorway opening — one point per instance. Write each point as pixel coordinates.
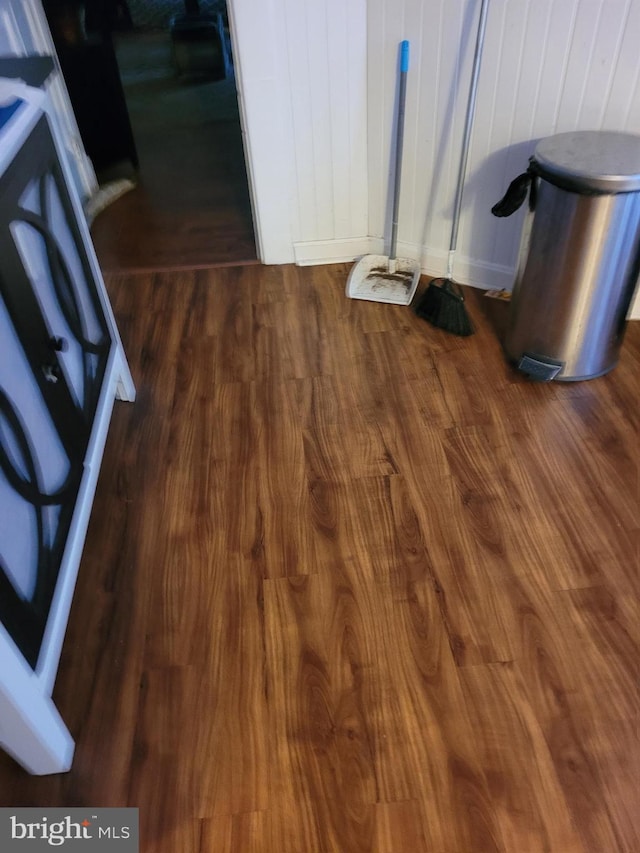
(189, 205)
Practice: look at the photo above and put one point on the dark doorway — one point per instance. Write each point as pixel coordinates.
(189, 205)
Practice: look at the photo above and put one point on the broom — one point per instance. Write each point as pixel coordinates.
(442, 303)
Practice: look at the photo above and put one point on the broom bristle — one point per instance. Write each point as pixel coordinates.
(442, 305)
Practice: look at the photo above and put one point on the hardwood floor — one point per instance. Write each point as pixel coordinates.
(351, 584)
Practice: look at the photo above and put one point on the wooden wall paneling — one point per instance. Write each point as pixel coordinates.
(623, 111)
(326, 54)
(265, 103)
(567, 99)
(554, 59)
(607, 56)
(509, 30)
(320, 134)
(355, 43)
(320, 147)
(341, 26)
(495, 95)
(537, 42)
(379, 83)
(300, 81)
(430, 69)
(324, 113)
(412, 28)
(533, 64)
(592, 48)
(346, 67)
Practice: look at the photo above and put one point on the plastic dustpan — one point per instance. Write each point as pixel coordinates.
(381, 279)
(386, 278)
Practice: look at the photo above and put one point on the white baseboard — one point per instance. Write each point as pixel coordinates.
(347, 250)
(432, 261)
(332, 251)
(484, 276)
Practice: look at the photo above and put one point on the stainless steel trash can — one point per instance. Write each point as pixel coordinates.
(580, 256)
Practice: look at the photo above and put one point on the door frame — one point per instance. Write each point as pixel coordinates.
(263, 90)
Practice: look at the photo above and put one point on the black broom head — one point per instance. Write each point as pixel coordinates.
(442, 305)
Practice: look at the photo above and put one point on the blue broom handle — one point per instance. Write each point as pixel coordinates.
(404, 67)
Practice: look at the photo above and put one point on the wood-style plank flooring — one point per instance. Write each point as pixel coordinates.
(352, 585)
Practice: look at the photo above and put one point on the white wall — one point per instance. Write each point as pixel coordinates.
(549, 66)
(319, 82)
(302, 69)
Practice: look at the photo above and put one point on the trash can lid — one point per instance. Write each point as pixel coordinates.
(592, 160)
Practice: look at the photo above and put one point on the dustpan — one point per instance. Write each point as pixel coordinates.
(379, 278)
(386, 278)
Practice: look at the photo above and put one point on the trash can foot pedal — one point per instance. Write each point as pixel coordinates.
(539, 368)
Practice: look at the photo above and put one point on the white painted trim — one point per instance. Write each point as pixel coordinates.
(332, 251)
(432, 261)
(31, 729)
(244, 123)
(265, 113)
(480, 274)
(117, 383)
(53, 639)
(126, 384)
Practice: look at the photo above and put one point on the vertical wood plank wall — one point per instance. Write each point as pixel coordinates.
(549, 66)
(319, 86)
(303, 97)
